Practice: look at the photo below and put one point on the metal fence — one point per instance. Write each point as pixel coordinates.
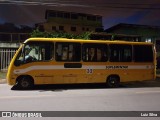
(5, 58)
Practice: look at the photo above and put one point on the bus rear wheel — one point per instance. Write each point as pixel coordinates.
(113, 81)
(25, 82)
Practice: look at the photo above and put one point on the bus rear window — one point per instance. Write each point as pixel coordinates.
(143, 53)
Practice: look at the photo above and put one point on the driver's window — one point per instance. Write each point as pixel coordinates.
(35, 51)
(42, 51)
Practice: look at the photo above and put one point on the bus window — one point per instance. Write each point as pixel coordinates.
(68, 51)
(34, 51)
(94, 52)
(143, 53)
(120, 53)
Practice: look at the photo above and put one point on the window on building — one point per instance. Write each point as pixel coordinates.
(54, 28)
(52, 14)
(67, 15)
(68, 52)
(99, 19)
(60, 14)
(149, 40)
(87, 29)
(120, 53)
(143, 53)
(82, 15)
(61, 28)
(73, 29)
(91, 18)
(74, 16)
(94, 52)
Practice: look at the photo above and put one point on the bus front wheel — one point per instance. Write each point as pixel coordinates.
(25, 82)
(113, 81)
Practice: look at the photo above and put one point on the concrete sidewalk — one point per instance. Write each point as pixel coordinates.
(3, 77)
(3, 81)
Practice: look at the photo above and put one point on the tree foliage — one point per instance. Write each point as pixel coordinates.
(37, 33)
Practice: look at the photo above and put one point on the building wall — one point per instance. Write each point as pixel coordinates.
(69, 28)
(69, 22)
(147, 33)
(9, 45)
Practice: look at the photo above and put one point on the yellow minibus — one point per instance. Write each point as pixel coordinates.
(71, 61)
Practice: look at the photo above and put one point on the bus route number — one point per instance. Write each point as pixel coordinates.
(89, 71)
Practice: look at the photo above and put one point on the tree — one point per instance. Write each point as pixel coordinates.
(37, 33)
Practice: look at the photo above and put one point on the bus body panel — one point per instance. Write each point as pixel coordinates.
(57, 74)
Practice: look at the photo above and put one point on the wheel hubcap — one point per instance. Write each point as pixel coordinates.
(24, 83)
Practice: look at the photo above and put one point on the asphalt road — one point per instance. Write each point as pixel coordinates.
(81, 98)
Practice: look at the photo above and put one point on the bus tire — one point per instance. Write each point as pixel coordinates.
(25, 82)
(113, 81)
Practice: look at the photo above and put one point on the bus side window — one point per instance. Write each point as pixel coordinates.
(58, 52)
(99, 55)
(68, 51)
(64, 53)
(120, 53)
(94, 52)
(46, 52)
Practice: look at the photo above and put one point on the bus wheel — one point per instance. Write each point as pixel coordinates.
(113, 81)
(25, 82)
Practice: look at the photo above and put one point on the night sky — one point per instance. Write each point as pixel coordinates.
(29, 12)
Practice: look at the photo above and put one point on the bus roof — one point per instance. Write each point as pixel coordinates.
(84, 41)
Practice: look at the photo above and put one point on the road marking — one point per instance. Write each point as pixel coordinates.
(144, 92)
(36, 96)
